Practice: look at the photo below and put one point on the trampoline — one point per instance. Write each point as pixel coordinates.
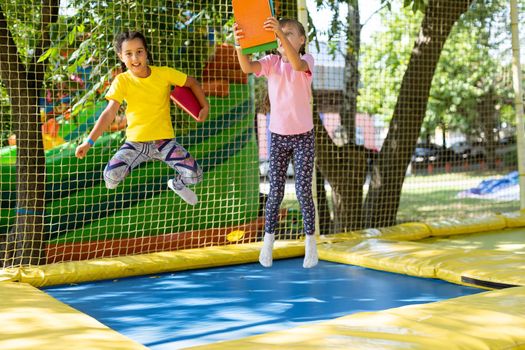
(188, 308)
(373, 289)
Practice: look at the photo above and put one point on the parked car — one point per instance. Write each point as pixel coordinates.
(447, 155)
(432, 153)
(425, 153)
(507, 141)
(507, 147)
(477, 150)
(465, 149)
(461, 148)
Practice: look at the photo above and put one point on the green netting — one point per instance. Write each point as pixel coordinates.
(413, 109)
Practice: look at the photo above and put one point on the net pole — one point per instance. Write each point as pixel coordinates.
(518, 97)
(302, 16)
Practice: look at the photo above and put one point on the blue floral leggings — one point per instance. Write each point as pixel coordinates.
(282, 148)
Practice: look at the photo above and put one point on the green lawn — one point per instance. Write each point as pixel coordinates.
(430, 197)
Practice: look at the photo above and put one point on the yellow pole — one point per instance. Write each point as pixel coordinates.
(518, 99)
(302, 13)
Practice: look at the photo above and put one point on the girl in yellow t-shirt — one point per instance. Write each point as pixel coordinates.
(149, 131)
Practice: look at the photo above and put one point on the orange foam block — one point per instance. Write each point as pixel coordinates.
(250, 15)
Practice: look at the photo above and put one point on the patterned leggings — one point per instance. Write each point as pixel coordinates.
(131, 154)
(282, 148)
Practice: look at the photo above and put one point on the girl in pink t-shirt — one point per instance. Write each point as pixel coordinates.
(289, 77)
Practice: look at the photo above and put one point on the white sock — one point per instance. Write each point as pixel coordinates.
(265, 257)
(310, 252)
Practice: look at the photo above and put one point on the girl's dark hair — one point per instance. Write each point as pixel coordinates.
(130, 35)
(289, 21)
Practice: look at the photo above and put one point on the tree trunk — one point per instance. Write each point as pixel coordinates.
(351, 70)
(345, 167)
(487, 114)
(25, 242)
(383, 198)
(325, 221)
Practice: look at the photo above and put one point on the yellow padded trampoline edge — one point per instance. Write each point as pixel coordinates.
(34, 320)
(490, 320)
(146, 264)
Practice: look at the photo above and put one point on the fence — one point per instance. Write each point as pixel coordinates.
(413, 112)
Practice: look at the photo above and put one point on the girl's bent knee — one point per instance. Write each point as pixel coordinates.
(193, 179)
(111, 186)
(110, 180)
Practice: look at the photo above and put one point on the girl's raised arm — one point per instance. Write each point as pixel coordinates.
(297, 63)
(248, 66)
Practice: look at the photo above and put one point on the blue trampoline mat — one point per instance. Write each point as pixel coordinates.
(188, 308)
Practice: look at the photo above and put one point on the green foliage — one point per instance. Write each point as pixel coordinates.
(384, 61)
(415, 5)
(5, 116)
(179, 35)
(471, 66)
(24, 23)
(338, 28)
(23, 20)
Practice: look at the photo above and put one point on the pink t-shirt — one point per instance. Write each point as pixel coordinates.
(290, 95)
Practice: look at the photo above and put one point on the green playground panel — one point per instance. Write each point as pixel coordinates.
(7, 155)
(223, 177)
(151, 170)
(221, 205)
(78, 125)
(221, 186)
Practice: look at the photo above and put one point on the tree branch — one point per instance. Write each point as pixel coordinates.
(372, 15)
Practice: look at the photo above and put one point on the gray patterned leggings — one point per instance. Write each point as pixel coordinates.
(131, 154)
(282, 148)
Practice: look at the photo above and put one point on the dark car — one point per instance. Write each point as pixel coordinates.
(431, 153)
(425, 153)
(447, 155)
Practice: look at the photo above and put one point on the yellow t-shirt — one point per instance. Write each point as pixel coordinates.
(148, 102)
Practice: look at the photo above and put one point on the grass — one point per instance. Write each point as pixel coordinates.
(433, 197)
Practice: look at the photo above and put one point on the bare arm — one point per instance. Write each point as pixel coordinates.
(194, 85)
(247, 65)
(104, 121)
(298, 64)
(102, 124)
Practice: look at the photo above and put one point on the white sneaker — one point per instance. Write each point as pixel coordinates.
(184, 192)
(265, 256)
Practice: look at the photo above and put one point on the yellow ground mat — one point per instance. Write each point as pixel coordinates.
(482, 268)
(492, 321)
(468, 225)
(31, 319)
(511, 240)
(139, 265)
